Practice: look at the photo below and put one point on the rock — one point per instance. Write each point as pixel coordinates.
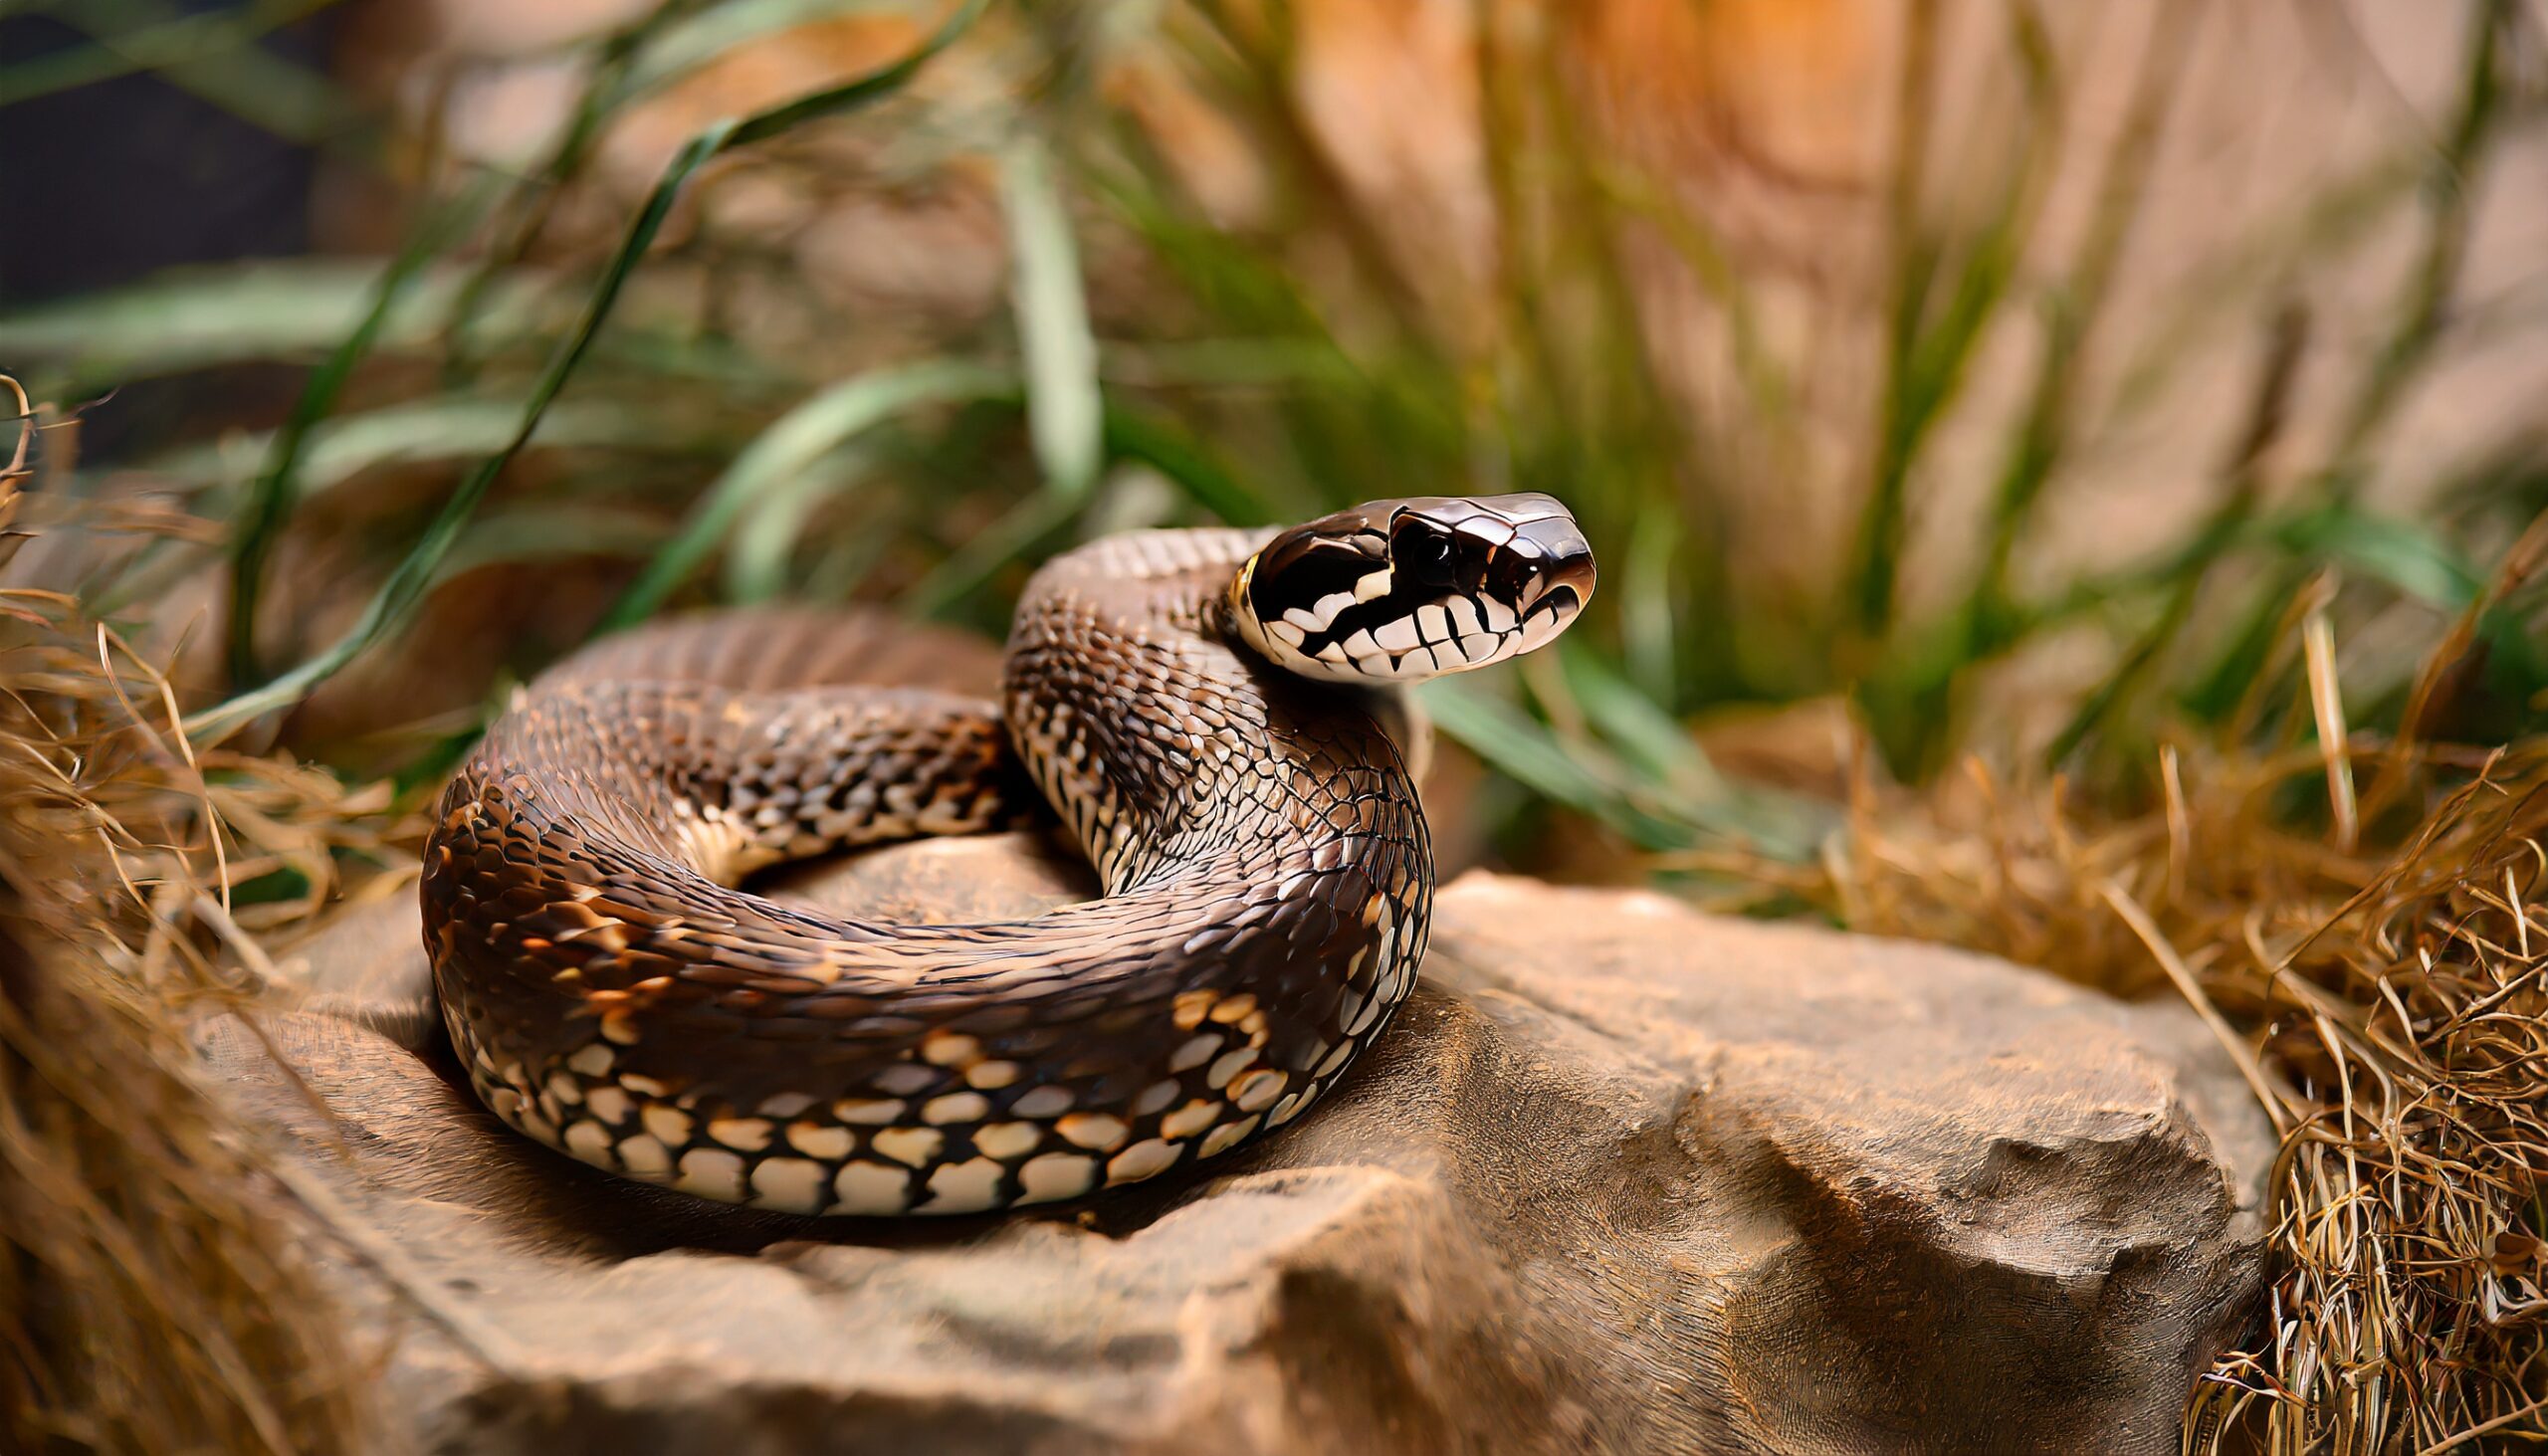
(1622, 1178)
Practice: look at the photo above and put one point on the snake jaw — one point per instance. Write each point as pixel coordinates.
(1400, 591)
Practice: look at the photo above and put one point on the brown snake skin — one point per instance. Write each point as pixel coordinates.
(1267, 872)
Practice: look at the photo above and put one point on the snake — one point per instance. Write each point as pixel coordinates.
(1216, 716)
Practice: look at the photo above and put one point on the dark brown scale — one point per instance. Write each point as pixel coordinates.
(1267, 874)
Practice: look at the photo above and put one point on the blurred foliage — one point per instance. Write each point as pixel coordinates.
(1294, 364)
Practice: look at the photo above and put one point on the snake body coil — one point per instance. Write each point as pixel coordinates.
(1187, 702)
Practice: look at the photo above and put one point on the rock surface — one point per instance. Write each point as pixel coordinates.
(1622, 1178)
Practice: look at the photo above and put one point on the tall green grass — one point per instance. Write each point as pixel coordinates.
(1302, 363)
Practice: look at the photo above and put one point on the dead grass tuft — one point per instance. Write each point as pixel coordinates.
(152, 1296)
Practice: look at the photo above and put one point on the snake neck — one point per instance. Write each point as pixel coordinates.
(1136, 703)
(1228, 618)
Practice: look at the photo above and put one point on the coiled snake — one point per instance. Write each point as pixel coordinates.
(1209, 711)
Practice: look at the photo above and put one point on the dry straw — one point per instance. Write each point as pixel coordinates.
(151, 1293)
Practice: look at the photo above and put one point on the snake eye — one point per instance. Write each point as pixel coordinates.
(1425, 555)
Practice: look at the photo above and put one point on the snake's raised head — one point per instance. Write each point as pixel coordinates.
(1403, 589)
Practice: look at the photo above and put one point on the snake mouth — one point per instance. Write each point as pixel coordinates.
(1548, 616)
(1400, 591)
(1557, 604)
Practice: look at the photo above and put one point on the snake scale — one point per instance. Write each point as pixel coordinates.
(1212, 714)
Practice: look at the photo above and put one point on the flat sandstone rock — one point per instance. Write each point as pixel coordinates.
(1621, 1178)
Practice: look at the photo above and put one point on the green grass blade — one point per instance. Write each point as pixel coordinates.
(1006, 539)
(1160, 442)
(2450, 188)
(214, 56)
(550, 530)
(2451, 174)
(1064, 413)
(2077, 308)
(2385, 548)
(1702, 254)
(788, 449)
(766, 538)
(1671, 775)
(427, 431)
(146, 40)
(867, 90)
(1523, 750)
(415, 572)
(1651, 740)
(1938, 322)
(196, 318)
(407, 582)
(603, 92)
(680, 46)
(267, 507)
(1645, 599)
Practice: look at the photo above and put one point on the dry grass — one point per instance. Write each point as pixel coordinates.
(152, 1294)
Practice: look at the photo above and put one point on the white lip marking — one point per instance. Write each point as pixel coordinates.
(1303, 620)
(1432, 623)
(1329, 605)
(1361, 644)
(1376, 584)
(1286, 633)
(1543, 626)
(1397, 633)
(1333, 652)
(1465, 616)
(1499, 617)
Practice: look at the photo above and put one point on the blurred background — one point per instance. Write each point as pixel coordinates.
(2001, 372)
(2034, 448)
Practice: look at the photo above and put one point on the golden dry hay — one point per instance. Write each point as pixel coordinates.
(152, 1291)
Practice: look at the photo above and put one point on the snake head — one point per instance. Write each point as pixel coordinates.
(1396, 590)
